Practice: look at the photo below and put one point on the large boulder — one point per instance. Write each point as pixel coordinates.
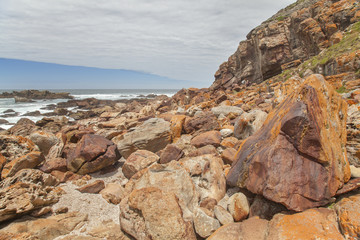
(25, 192)
(44, 140)
(248, 123)
(17, 153)
(348, 210)
(298, 158)
(91, 154)
(137, 161)
(150, 213)
(153, 135)
(205, 121)
(312, 224)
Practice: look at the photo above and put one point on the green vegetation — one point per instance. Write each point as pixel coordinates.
(280, 18)
(342, 89)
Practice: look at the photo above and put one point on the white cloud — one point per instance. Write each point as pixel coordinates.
(180, 39)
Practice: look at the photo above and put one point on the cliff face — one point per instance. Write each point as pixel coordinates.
(290, 37)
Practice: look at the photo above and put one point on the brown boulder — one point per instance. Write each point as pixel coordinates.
(137, 161)
(202, 122)
(113, 193)
(171, 152)
(94, 187)
(311, 224)
(53, 164)
(44, 140)
(296, 158)
(176, 126)
(229, 155)
(92, 153)
(149, 213)
(348, 211)
(207, 138)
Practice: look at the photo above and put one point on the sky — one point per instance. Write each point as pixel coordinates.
(175, 40)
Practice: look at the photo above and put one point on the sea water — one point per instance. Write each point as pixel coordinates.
(78, 94)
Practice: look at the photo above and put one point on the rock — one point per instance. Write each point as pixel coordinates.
(108, 231)
(22, 198)
(176, 126)
(32, 114)
(153, 135)
(203, 122)
(349, 186)
(250, 229)
(94, 187)
(204, 225)
(92, 153)
(300, 144)
(226, 110)
(171, 177)
(348, 213)
(65, 176)
(229, 142)
(19, 153)
(44, 228)
(137, 161)
(229, 155)
(58, 164)
(208, 203)
(238, 206)
(355, 172)
(310, 224)
(222, 215)
(24, 127)
(31, 176)
(171, 152)
(207, 138)
(264, 208)
(44, 140)
(208, 149)
(207, 173)
(36, 94)
(113, 193)
(248, 123)
(22, 100)
(41, 212)
(149, 213)
(226, 132)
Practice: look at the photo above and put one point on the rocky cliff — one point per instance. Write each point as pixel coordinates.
(290, 37)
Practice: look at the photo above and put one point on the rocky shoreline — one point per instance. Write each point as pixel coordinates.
(275, 159)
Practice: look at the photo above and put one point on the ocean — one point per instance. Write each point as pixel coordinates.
(19, 109)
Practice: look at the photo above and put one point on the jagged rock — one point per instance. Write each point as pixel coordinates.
(58, 164)
(222, 215)
(44, 140)
(312, 224)
(250, 229)
(92, 153)
(177, 122)
(300, 144)
(153, 135)
(207, 174)
(137, 161)
(349, 186)
(229, 142)
(248, 123)
(31, 176)
(171, 152)
(202, 122)
(19, 153)
(94, 187)
(204, 225)
(177, 179)
(24, 127)
(113, 193)
(349, 220)
(150, 213)
(207, 138)
(36, 94)
(44, 228)
(22, 198)
(238, 206)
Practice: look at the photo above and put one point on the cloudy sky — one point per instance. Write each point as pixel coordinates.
(179, 39)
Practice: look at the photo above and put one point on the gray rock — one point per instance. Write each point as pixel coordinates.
(222, 215)
(225, 110)
(204, 225)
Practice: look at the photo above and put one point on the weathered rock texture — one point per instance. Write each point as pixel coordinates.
(348, 211)
(298, 158)
(91, 154)
(291, 36)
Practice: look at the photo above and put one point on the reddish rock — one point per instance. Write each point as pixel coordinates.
(208, 203)
(229, 142)
(92, 153)
(171, 152)
(58, 164)
(176, 126)
(348, 211)
(203, 122)
(296, 158)
(229, 155)
(312, 224)
(207, 138)
(94, 187)
(238, 206)
(349, 186)
(138, 161)
(209, 149)
(65, 176)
